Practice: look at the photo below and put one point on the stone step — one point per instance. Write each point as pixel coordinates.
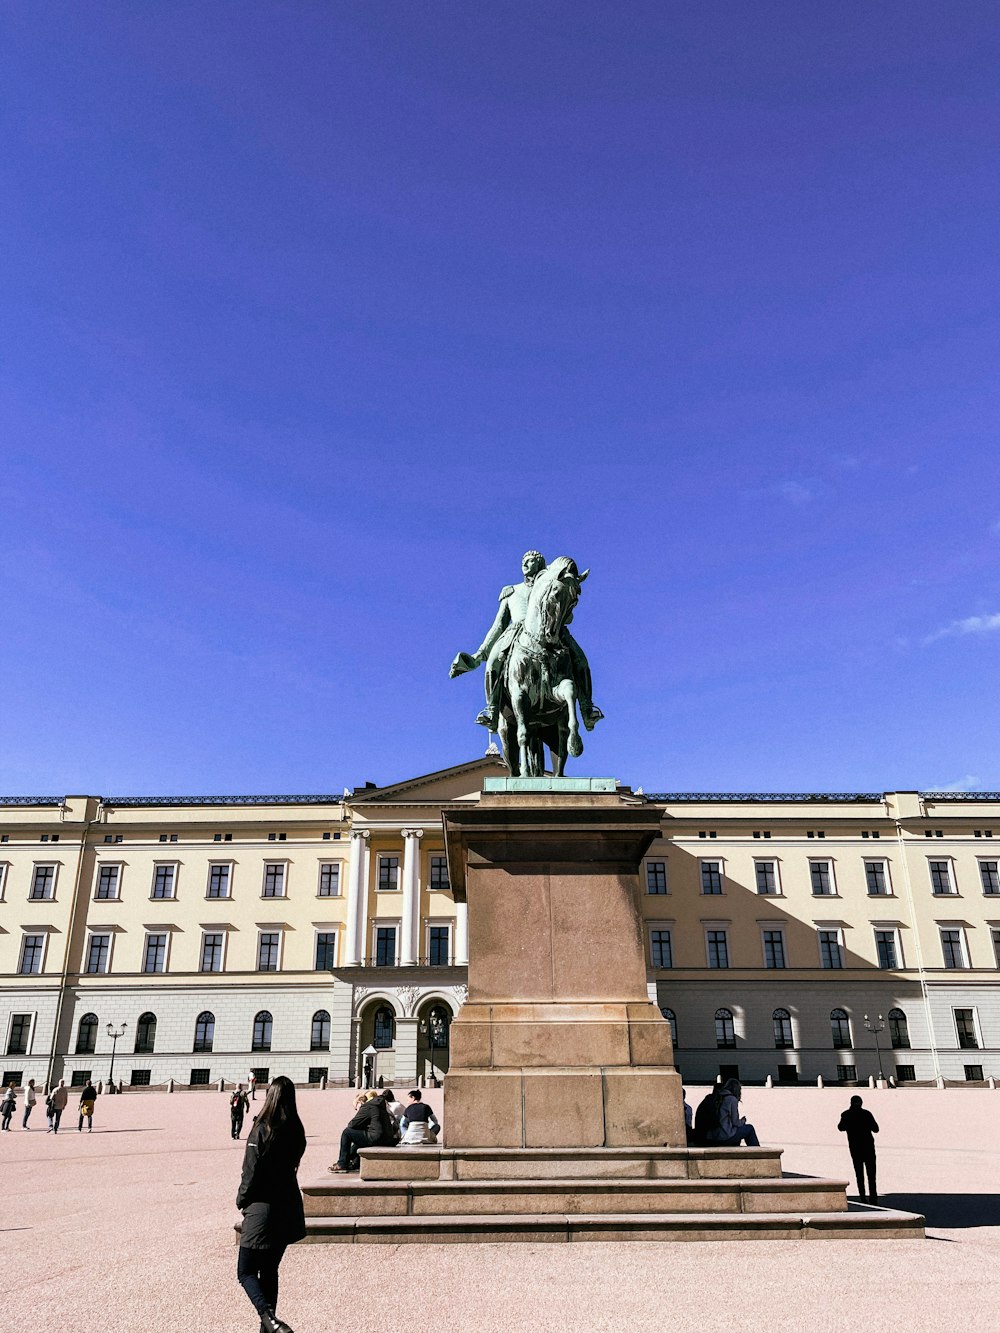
(851, 1224)
(438, 1163)
(350, 1196)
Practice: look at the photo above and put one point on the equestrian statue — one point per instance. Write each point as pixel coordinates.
(536, 672)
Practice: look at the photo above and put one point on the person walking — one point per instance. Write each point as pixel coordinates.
(87, 1099)
(7, 1106)
(732, 1130)
(860, 1126)
(30, 1098)
(58, 1100)
(238, 1107)
(253, 1086)
(270, 1200)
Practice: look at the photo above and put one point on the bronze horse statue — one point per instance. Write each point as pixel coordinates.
(538, 698)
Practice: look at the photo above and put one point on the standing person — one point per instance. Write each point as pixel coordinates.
(7, 1106)
(253, 1086)
(733, 1129)
(238, 1107)
(30, 1098)
(419, 1123)
(58, 1099)
(270, 1200)
(860, 1126)
(87, 1099)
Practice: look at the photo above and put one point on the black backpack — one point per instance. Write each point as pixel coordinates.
(706, 1118)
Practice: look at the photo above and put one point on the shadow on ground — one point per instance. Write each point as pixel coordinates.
(949, 1210)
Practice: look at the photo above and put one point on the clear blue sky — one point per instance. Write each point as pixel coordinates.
(315, 316)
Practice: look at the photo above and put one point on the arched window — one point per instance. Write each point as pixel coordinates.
(782, 1021)
(204, 1031)
(262, 1031)
(145, 1033)
(86, 1035)
(840, 1030)
(725, 1029)
(438, 1023)
(899, 1033)
(385, 1028)
(671, 1018)
(320, 1038)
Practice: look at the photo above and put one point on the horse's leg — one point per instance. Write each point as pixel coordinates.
(565, 691)
(518, 699)
(506, 740)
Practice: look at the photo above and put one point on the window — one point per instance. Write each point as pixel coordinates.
(995, 936)
(49, 837)
(274, 880)
(941, 877)
(20, 1034)
(766, 876)
(32, 953)
(218, 881)
(711, 876)
(98, 953)
(660, 948)
(168, 837)
(3, 877)
(439, 873)
(204, 1032)
(718, 948)
(385, 946)
(656, 876)
(782, 1021)
(262, 1025)
(989, 876)
(973, 1073)
(145, 1034)
(906, 1073)
(821, 879)
(875, 877)
(847, 1073)
(788, 1073)
(885, 948)
(212, 944)
(329, 879)
(439, 1027)
(199, 1078)
(953, 948)
(163, 881)
(268, 948)
(965, 1026)
(388, 873)
(438, 948)
(317, 1073)
(43, 883)
(725, 1030)
(319, 1039)
(86, 1035)
(326, 950)
(140, 1078)
(830, 950)
(899, 1032)
(774, 948)
(815, 833)
(79, 1078)
(758, 833)
(671, 1018)
(222, 837)
(840, 1030)
(262, 1074)
(107, 882)
(154, 957)
(277, 837)
(385, 1028)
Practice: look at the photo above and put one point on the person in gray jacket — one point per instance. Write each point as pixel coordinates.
(270, 1200)
(733, 1129)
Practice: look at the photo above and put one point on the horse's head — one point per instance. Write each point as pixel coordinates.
(554, 594)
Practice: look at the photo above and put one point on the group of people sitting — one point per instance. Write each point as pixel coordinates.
(379, 1121)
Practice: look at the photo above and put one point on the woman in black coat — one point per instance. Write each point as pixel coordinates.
(270, 1200)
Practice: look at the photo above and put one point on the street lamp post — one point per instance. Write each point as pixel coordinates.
(114, 1033)
(875, 1026)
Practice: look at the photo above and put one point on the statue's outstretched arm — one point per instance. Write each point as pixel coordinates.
(469, 661)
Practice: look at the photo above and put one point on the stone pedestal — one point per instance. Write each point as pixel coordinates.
(558, 1045)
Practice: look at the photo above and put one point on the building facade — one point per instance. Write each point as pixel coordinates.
(316, 936)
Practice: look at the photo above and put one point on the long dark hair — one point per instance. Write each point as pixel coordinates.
(279, 1121)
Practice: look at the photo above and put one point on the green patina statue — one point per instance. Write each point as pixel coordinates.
(536, 672)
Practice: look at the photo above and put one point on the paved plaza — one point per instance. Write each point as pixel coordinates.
(130, 1228)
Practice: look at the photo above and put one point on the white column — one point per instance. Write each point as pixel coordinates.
(410, 943)
(356, 893)
(366, 861)
(462, 934)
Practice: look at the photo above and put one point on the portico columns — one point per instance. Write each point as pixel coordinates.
(461, 934)
(357, 897)
(410, 945)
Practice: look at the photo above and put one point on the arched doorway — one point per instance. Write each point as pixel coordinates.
(433, 1041)
(376, 1034)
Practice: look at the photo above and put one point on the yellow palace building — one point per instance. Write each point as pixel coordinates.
(787, 935)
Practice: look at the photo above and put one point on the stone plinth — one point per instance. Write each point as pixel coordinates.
(558, 1045)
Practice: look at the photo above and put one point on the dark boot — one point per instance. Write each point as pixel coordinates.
(270, 1323)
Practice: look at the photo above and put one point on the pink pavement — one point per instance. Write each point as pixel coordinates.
(130, 1228)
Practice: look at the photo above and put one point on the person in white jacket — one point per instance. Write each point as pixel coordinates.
(30, 1098)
